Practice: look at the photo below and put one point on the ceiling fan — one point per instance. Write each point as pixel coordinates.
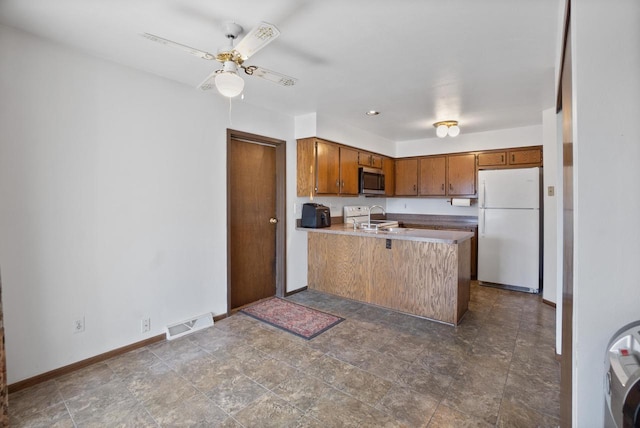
(226, 79)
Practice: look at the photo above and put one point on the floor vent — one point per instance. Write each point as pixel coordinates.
(189, 326)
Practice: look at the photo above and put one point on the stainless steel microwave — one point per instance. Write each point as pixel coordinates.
(371, 181)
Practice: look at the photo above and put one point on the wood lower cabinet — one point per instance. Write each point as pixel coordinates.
(428, 279)
(433, 176)
(473, 262)
(406, 177)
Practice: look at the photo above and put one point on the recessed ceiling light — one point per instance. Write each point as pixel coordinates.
(373, 113)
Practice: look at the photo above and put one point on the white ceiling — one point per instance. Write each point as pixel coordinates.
(489, 64)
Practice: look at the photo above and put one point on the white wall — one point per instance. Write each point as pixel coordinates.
(498, 139)
(113, 193)
(550, 179)
(606, 103)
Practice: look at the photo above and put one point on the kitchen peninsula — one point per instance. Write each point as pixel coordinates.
(419, 272)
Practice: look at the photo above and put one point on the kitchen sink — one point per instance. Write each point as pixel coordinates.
(395, 229)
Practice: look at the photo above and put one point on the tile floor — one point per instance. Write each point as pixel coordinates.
(377, 368)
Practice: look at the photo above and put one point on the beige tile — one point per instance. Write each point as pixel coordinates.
(514, 414)
(85, 379)
(102, 403)
(236, 394)
(446, 417)
(301, 390)
(409, 407)
(269, 411)
(196, 411)
(36, 399)
(55, 416)
(336, 409)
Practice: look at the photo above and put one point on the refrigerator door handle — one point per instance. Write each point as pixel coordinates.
(484, 193)
(482, 222)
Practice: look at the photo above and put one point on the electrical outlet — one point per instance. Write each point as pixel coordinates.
(78, 325)
(145, 325)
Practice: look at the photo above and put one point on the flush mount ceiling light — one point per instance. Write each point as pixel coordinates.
(372, 113)
(447, 127)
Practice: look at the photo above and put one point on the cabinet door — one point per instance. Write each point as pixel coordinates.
(389, 168)
(364, 159)
(461, 175)
(348, 171)
(492, 159)
(433, 176)
(406, 177)
(376, 161)
(327, 168)
(524, 157)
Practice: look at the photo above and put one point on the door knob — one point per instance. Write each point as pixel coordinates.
(273, 220)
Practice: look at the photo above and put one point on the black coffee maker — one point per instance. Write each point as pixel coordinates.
(315, 215)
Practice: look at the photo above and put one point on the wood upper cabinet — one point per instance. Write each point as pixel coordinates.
(492, 158)
(348, 171)
(511, 158)
(525, 157)
(406, 177)
(433, 176)
(461, 175)
(389, 169)
(370, 160)
(326, 168)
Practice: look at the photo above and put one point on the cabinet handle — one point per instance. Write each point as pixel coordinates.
(414, 187)
(337, 183)
(343, 183)
(513, 158)
(450, 186)
(502, 158)
(370, 159)
(442, 186)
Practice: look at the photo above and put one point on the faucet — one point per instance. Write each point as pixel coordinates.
(371, 208)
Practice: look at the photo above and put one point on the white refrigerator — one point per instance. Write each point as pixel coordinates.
(509, 228)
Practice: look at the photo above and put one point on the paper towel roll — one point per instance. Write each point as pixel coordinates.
(461, 202)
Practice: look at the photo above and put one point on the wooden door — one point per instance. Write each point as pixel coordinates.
(348, 171)
(461, 175)
(406, 177)
(566, 362)
(252, 235)
(433, 171)
(327, 168)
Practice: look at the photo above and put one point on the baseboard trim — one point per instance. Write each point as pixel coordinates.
(219, 317)
(548, 302)
(291, 293)
(26, 383)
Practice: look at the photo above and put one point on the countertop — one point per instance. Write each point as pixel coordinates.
(433, 220)
(422, 235)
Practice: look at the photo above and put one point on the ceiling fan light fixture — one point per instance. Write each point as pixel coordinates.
(228, 83)
(447, 127)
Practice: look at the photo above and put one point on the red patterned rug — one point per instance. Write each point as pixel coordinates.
(292, 317)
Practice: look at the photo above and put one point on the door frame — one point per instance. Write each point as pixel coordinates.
(281, 204)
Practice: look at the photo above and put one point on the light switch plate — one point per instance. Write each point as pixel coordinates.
(551, 190)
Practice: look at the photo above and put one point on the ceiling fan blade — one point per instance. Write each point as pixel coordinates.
(189, 49)
(256, 39)
(272, 76)
(209, 82)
